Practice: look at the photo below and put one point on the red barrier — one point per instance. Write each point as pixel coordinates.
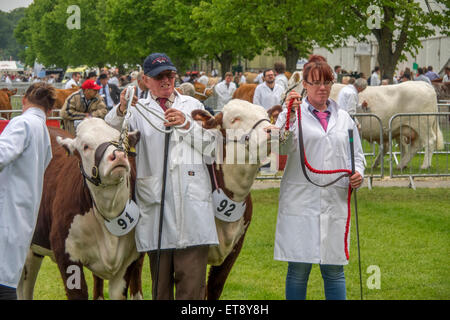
(50, 123)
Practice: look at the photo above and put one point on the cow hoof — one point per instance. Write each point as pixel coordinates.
(424, 167)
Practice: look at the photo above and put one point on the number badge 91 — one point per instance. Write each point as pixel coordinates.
(126, 221)
(226, 209)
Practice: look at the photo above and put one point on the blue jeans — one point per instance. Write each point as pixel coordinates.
(297, 281)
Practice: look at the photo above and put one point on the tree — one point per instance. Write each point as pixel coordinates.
(398, 28)
(291, 28)
(52, 40)
(137, 28)
(8, 44)
(224, 32)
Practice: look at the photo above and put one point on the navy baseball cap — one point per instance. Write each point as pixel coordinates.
(156, 63)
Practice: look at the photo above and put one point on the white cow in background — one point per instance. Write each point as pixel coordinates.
(413, 133)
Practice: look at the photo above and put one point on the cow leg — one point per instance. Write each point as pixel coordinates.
(380, 156)
(133, 278)
(29, 275)
(219, 274)
(98, 288)
(430, 146)
(412, 148)
(118, 287)
(73, 276)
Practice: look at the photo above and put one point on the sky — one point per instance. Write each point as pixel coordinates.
(8, 5)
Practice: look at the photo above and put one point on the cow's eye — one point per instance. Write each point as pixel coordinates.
(85, 147)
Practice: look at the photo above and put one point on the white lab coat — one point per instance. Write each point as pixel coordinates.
(282, 80)
(188, 212)
(266, 97)
(25, 153)
(348, 99)
(375, 79)
(70, 83)
(311, 223)
(223, 93)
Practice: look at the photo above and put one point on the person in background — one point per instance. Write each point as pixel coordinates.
(375, 78)
(280, 77)
(109, 92)
(83, 103)
(224, 90)
(75, 81)
(431, 74)
(313, 222)
(447, 75)
(348, 96)
(92, 76)
(25, 153)
(421, 76)
(268, 93)
(336, 72)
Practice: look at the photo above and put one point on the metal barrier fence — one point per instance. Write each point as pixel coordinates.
(423, 160)
(423, 140)
(23, 86)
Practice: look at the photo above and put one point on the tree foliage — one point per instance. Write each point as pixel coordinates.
(8, 44)
(120, 32)
(402, 25)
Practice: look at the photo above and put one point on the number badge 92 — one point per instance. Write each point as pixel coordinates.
(226, 209)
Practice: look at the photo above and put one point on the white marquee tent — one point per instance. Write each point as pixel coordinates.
(9, 66)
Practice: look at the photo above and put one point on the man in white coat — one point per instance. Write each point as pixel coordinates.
(188, 222)
(268, 93)
(348, 96)
(224, 90)
(25, 153)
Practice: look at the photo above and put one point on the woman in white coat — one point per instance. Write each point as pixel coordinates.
(313, 222)
(25, 153)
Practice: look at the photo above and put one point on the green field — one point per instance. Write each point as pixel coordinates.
(405, 233)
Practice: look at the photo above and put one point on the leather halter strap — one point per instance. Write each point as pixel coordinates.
(246, 137)
(99, 153)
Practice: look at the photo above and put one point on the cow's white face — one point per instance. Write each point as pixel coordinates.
(113, 168)
(246, 139)
(91, 133)
(242, 158)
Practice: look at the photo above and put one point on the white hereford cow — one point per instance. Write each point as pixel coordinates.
(76, 214)
(248, 121)
(413, 133)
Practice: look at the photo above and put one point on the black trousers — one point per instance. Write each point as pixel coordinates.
(7, 293)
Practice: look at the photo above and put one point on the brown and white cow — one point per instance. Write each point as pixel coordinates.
(5, 101)
(72, 222)
(245, 121)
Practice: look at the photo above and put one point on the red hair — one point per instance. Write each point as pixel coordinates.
(317, 65)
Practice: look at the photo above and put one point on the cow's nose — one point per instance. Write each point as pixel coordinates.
(117, 155)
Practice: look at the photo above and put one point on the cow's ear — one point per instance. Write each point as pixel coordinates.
(67, 143)
(206, 119)
(133, 138)
(13, 92)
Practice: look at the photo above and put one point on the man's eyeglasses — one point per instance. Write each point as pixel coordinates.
(320, 83)
(162, 75)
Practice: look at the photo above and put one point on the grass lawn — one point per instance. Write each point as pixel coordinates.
(405, 233)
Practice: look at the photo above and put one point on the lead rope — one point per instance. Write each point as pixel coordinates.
(304, 163)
